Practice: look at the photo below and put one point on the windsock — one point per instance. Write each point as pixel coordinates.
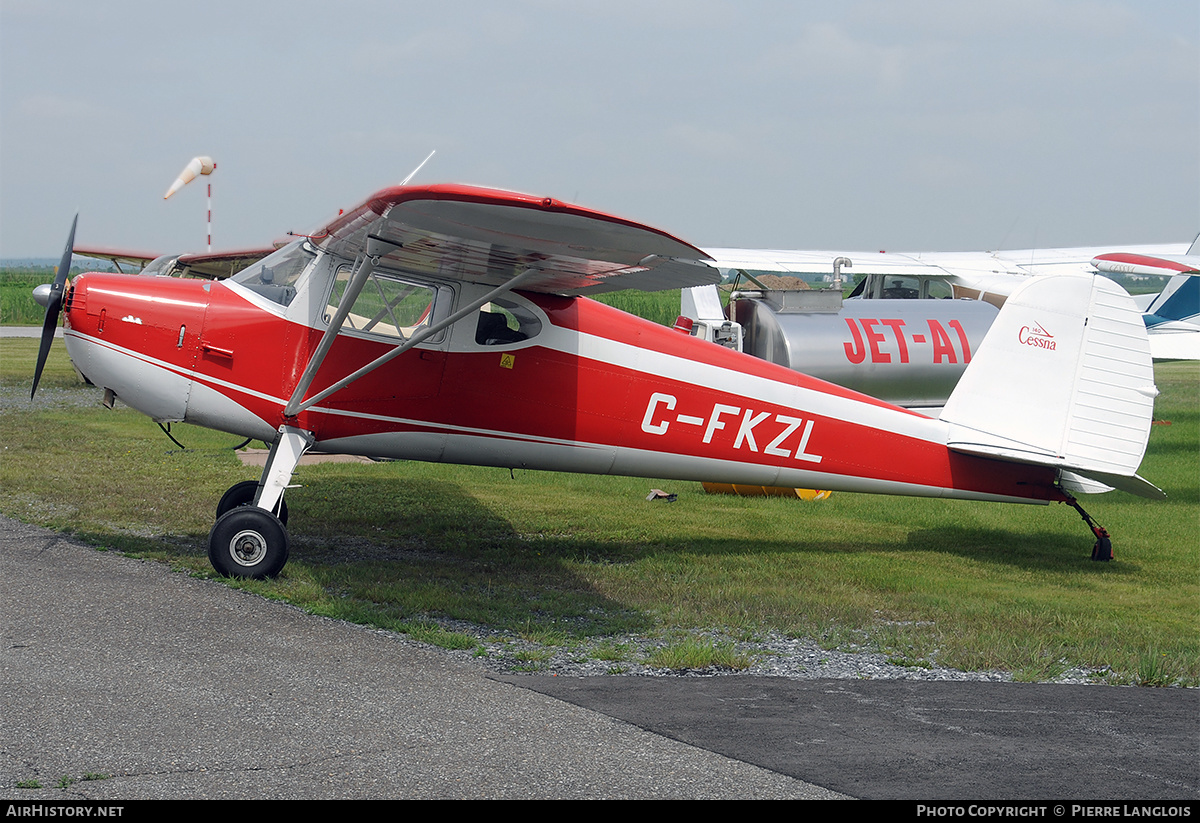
(197, 165)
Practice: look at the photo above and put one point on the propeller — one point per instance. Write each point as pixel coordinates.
(53, 304)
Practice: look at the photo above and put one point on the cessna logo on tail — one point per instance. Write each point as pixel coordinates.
(1036, 337)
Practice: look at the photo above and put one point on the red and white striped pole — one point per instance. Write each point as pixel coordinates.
(196, 166)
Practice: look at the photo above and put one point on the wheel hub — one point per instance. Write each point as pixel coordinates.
(247, 547)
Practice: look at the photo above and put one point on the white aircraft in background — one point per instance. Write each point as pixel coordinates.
(1172, 319)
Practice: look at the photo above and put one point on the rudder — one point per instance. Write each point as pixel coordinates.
(1064, 378)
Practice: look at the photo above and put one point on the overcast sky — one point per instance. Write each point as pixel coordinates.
(845, 125)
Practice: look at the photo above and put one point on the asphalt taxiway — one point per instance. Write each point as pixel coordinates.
(174, 687)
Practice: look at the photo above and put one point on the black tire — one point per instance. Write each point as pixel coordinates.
(248, 542)
(242, 494)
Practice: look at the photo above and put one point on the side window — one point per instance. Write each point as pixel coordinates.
(938, 289)
(901, 288)
(387, 305)
(503, 321)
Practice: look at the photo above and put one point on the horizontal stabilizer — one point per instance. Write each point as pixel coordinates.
(1064, 379)
(1129, 483)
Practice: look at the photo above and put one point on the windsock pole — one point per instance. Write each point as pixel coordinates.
(210, 212)
(196, 166)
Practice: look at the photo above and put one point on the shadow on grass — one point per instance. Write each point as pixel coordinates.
(157, 547)
(1178, 495)
(435, 551)
(1041, 552)
(387, 548)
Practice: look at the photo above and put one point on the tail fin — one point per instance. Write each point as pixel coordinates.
(1063, 379)
(1180, 300)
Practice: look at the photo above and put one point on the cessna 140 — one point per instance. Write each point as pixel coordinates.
(448, 323)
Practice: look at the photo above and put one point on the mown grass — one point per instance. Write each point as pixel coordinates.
(557, 559)
(692, 652)
(17, 306)
(659, 306)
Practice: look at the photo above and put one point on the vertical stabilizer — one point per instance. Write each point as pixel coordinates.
(1179, 300)
(1064, 378)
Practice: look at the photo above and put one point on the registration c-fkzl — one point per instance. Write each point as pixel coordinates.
(658, 419)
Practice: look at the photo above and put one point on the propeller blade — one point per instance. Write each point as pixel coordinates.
(53, 307)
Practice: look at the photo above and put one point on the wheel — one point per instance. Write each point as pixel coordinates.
(248, 542)
(1102, 550)
(242, 494)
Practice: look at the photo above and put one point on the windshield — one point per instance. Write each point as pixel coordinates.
(160, 265)
(275, 276)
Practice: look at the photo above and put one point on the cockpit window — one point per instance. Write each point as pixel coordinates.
(938, 289)
(901, 288)
(387, 305)
(275, 276)
(160, 266)
(503, 321)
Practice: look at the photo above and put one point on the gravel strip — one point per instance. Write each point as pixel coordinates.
(770, 654)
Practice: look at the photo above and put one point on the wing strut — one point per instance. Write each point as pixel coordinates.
(295, 406)
(375, 249)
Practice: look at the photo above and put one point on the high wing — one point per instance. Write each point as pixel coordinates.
(1076, 260)
(818, 262)
(218, 265)
(488, 236)
(491, 238)
(964, 266)
(207, 265)
(135, 260)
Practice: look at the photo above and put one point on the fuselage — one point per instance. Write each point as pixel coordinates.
(573, 385)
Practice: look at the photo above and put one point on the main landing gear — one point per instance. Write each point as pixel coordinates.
(1102, 549)
(242, 494)
(249, 538)
(248, 542)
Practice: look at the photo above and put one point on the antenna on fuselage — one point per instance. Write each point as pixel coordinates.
(195, 166)
(413, 174)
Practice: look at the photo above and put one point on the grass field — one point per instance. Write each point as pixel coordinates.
(17, 306)
(583, 561)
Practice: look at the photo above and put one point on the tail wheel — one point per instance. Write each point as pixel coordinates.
(242, 494)
(248, 542)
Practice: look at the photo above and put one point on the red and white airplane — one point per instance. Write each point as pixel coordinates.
(449, 324)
